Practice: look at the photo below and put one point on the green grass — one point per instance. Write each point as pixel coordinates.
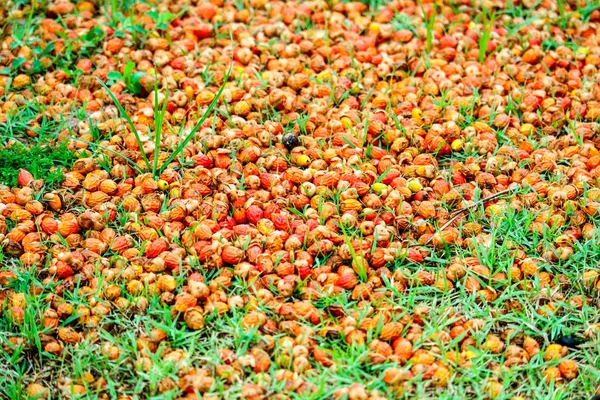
(121, 328)
(44, 162)
(429, 24)
(488, 25)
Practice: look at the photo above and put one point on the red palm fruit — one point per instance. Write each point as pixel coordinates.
(53, 200)
(415, 255)
(206, 11)
(107, 235)
(49, 225)
(154, 221)
(458, 178)
(284, 269)
(29, 259)
(280, 221)
(172, 260)
(239, 201)
(391, 175)
(184, 301)
(66, 228)
(95, 245)
(304, 271)
(232, 255)
(279, 165)
(121, 243)
(271, 209)
(203, 250)
(378, 258)
(251, 169)
(222, 161)
(239, 215)
(378, 153)
(387, 217)
(25, 177)
(147, 234)
(437, 144)
(63, 270)
(266, 180)
(312, 224)
(253, 252)
(243, 229)
(204, 190)
(177, 213)
(301, 201)
(249, 154)
(202, 160)
(30, 238)
(202, 30)
(426, 209)
(327, 179)
(402, 348)
(347, 281)
(202, 231)
(178, 63)
(156, 247)
(227, 222)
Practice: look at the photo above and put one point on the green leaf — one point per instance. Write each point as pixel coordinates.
(37, 66)
(17, 62)
(137, 76)
(128, 70)
(49, 49)
(134, 85)
(114, 76)
(63, 35)
(167, 16)
(92, 37)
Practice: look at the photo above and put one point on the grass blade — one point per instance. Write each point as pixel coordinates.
(185, 141)
(158, 123)
(488, 24)
(362, 271)
(129, 122)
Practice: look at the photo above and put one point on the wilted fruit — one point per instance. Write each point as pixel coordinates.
(194, 319)
(290, 141)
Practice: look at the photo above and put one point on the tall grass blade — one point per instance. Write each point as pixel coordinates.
(158, 123)
(129, 122)
(196, 128)
(488, 24)
(362, 270)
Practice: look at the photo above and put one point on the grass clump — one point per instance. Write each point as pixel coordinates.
(43, 161)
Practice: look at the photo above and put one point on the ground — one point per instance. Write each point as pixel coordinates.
(299, 200)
